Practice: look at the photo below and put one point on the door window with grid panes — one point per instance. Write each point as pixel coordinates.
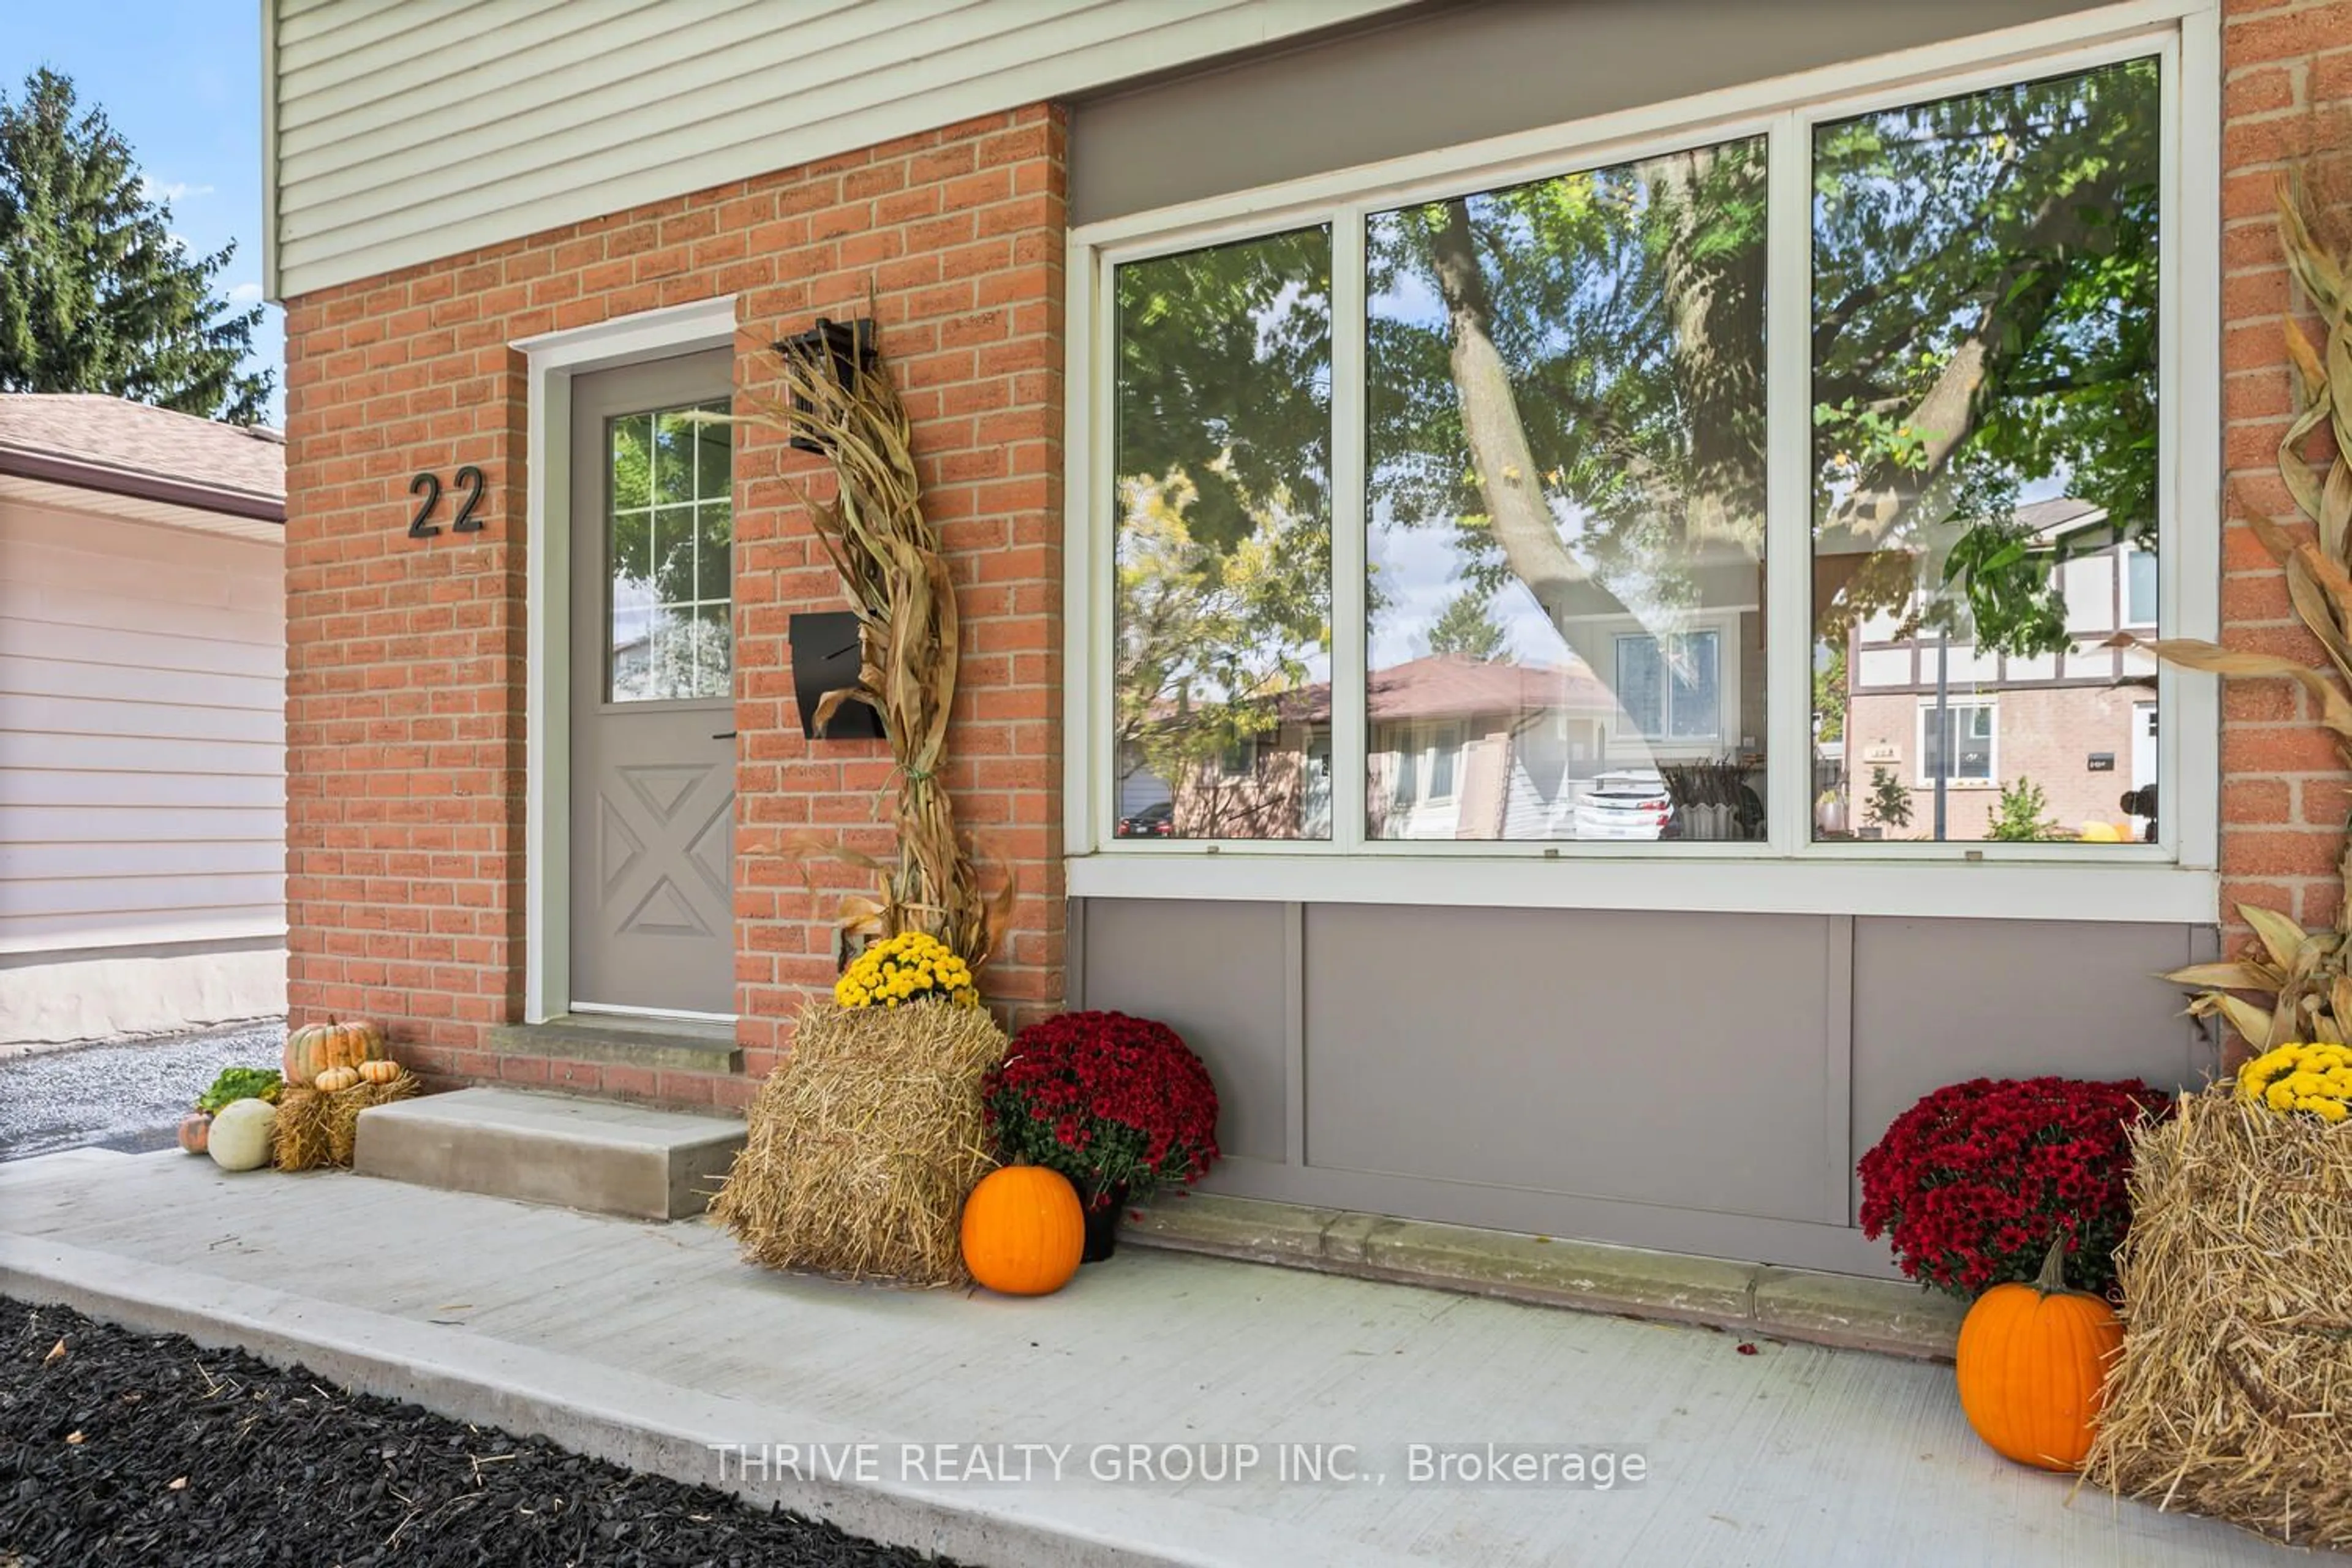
(669, 539)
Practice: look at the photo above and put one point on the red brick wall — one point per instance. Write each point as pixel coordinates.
(405, 659)
(2284, 797)
(2044, 734)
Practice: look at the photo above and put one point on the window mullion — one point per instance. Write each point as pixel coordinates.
(1350, 632)
(1788, 517)
(2189, 507)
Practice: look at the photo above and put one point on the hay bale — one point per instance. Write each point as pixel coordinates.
(343, 1108)
(315, 1131)
(298, 1139)
(861, 1147)
(2233, 1394)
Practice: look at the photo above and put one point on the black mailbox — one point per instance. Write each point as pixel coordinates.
(824, 659)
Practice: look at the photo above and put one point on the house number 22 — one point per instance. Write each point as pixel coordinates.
(428, 488)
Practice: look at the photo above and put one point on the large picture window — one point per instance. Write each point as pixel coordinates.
(1565, 392)
(1221, 591)
(1985, 475)
(1793, 488)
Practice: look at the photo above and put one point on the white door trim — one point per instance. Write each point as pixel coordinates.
(554, 358)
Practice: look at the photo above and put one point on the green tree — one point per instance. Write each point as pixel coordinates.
(1566, 377)
(1830, 694)
(1467, 629)
(1890, 803)
(1213, 646)
(2022, 815)
(1983, 319)
(1221, 571)
(1224, 377)
(96, 294)
(1595, 351)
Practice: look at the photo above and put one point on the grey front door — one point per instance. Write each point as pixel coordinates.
(653, 709)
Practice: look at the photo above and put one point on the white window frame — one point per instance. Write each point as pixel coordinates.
(1789, 872)
(1446, 738)
(1423, 740)
(1666, 738)
(1919, 740)
(2125, 553)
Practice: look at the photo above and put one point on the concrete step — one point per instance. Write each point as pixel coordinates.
(591, 1155)
(667, 1044)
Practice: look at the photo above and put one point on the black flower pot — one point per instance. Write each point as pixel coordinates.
(1102, 1226)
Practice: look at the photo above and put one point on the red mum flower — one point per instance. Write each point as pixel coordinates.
(1108, 1100)
(1976, 1182)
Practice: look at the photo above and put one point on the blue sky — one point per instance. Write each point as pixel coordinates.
(181, 80)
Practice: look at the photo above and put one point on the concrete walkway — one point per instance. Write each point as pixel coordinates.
(650, 1344)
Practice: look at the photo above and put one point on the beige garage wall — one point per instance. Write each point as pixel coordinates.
(142, 775)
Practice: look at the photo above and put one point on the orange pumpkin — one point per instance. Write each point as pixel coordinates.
(334, 1080)
(311, 1051)
(381, 1070)
(196, 1130)
(2033, 1365)
(1024, 1230)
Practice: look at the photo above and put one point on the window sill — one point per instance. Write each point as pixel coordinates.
(2101, 890)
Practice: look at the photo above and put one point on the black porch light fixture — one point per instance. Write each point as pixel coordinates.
(848, 345)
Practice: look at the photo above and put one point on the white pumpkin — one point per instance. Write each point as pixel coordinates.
(240, 1135)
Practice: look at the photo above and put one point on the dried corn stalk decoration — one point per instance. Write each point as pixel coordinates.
(889, 556)
(2289, 983)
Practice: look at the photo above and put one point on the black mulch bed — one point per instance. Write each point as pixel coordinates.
(129, 1448)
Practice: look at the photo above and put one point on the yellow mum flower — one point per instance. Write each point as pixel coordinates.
(2313, 1077)
(903, 968)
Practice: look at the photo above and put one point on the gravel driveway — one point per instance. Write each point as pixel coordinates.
(128, 1096)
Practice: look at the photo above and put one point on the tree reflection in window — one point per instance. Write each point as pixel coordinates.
(1223, 557)
(1565, 391)
(670, 581)
(1984, 384)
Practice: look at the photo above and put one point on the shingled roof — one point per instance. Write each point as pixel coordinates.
(134, 448)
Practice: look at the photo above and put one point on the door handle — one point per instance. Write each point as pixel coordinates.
(724, 735)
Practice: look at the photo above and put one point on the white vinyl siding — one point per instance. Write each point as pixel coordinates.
(400, 133)
(142, 789)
